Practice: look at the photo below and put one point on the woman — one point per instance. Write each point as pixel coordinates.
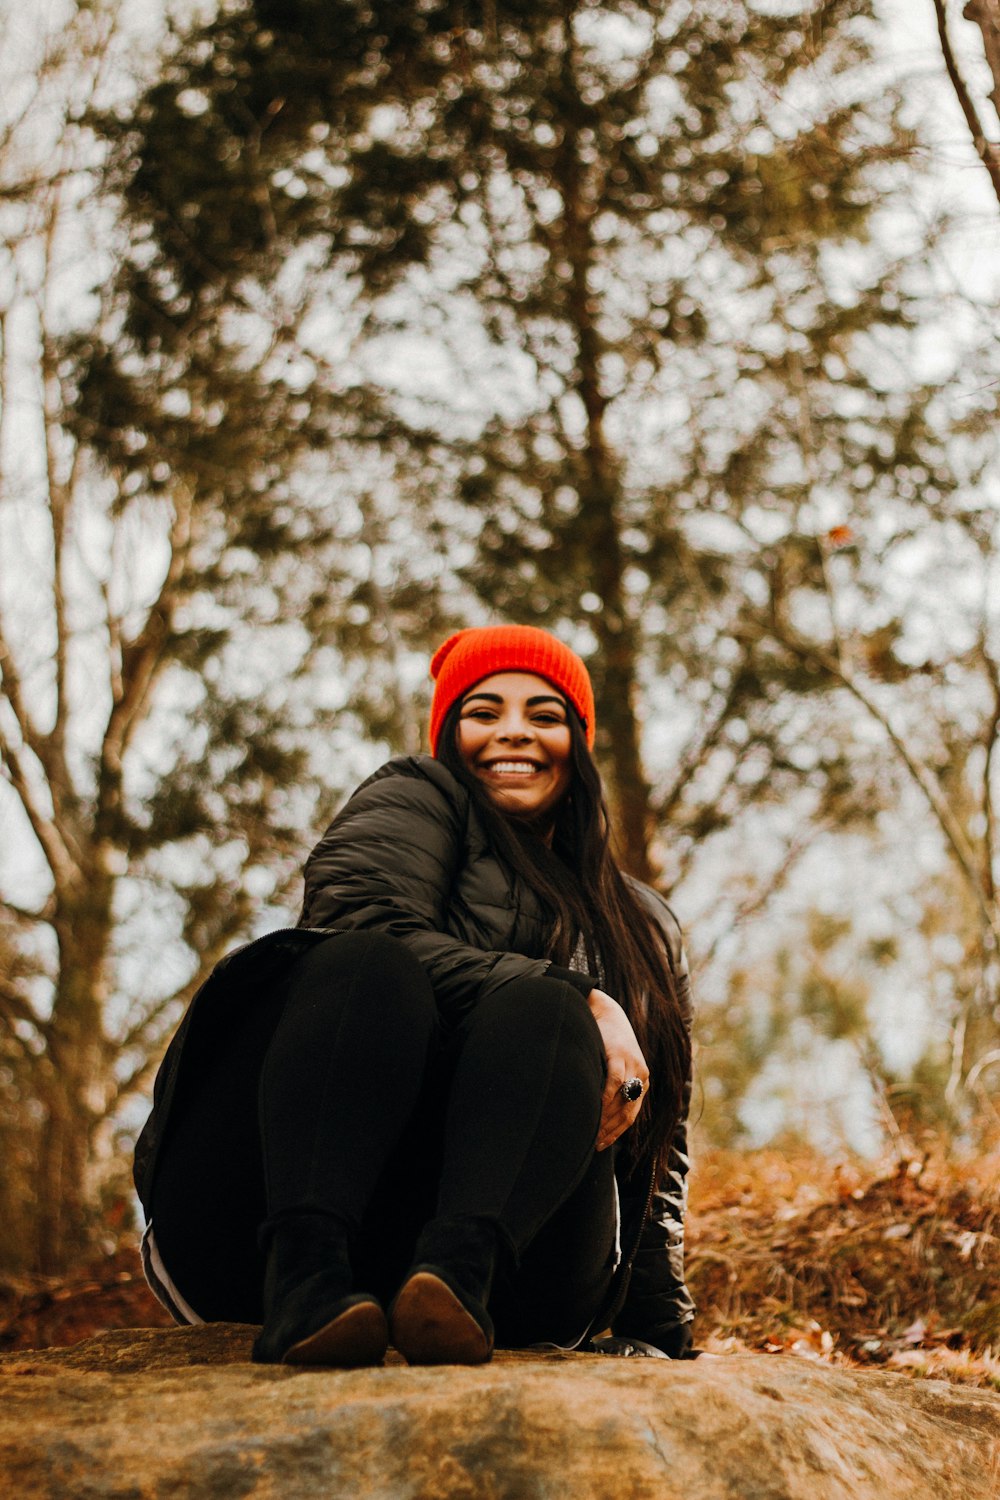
(432, 1096)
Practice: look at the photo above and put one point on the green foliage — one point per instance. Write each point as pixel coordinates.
(197, 569)
(591, 315)
(657, 229)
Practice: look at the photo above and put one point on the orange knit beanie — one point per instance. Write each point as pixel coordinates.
(470, 655)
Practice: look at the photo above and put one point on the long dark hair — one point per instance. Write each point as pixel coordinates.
(578, 883)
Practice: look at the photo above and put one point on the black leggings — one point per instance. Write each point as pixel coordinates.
(343, 1096)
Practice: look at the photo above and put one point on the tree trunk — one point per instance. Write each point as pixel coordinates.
(986, 15)
(983, 13)
(599, 490)
(617, 686)
(77, 1083)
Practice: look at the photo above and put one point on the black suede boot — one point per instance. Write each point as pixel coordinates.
(311, 1315)
(439, 1315)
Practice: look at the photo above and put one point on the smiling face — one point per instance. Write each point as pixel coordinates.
(513, 734)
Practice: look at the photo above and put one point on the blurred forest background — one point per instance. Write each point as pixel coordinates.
(329, 326)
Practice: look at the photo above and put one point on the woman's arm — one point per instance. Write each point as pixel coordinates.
(389, 861)
(658, 1307)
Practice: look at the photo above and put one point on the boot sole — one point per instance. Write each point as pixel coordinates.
(429, 1325)
(356, 1337)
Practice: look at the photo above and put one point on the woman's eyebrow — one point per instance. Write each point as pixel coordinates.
(531, 702)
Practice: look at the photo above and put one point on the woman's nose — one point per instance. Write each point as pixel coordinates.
(514, 729)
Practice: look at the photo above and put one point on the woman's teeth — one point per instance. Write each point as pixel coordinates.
(513, 767)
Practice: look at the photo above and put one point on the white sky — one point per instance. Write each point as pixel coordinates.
(957, 182)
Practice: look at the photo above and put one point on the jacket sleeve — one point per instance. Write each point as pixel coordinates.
(388, 862)
(658, 1306)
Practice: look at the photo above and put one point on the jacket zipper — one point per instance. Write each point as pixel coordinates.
(624, 1269)
(285, 932)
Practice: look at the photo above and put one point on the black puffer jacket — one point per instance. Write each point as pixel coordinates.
(408, 856)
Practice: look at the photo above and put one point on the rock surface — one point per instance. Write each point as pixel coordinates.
(181, 1413)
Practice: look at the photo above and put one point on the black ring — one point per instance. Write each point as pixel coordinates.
(631, 1089)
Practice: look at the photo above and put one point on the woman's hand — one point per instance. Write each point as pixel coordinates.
(625, 1060)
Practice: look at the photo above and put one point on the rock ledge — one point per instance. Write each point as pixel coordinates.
(182, 1413)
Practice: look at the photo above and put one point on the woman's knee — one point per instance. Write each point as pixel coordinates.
(543, 1010)
(369, 968)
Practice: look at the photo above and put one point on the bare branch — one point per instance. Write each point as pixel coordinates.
(873, 1067)
(14, 1006)
(5, 381)
(11, 688)
(60, 860)
(55, 835)
(142, 1036)
(807, 445)
(764, 892)
(987, 150)
(986, 15)
(745, 796)
(27, 917)
(136, 1082)
(696, 755)
(921, 773)
(141, 659)
(381, 604)
(957, 1054)
(28, 189)
(991, 738)
(60, 499)
(988, 1060)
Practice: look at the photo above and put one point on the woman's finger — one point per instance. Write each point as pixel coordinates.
(611, 1126)
(617, 1115)
(614, 1086)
